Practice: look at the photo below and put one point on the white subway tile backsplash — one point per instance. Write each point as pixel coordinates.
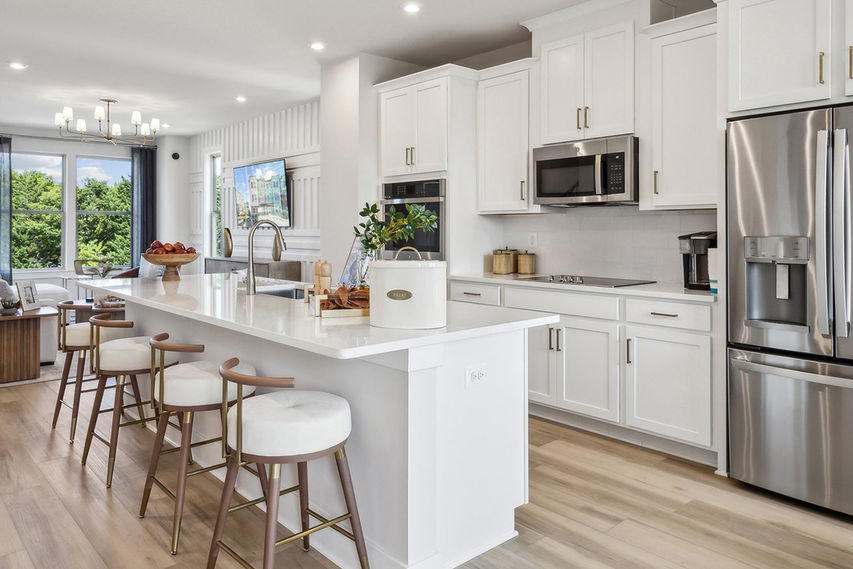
(608, 241)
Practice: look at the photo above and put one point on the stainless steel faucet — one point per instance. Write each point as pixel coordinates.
(250, 273)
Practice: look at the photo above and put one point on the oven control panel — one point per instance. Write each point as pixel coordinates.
(614, 172)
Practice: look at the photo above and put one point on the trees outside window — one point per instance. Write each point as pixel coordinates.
(103, 209)
(37, 182)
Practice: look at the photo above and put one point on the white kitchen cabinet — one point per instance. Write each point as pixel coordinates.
(685, 139)
(848, 47)
(668, 383)
(502, 143)
(541, 366)
(587, 85)
(413, 123)
(779, 52)
(587, 353)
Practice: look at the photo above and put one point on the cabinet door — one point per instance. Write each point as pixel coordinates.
(397, 131)
(429, 152)
(609, 81)
(668, 383)
(561, 89)
(848, 47)
(775, 49)
(588, 367)
(541, 379)
(686, 141)
(502, 135)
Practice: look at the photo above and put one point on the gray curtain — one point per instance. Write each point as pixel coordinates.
(144, 183)
(6, 209)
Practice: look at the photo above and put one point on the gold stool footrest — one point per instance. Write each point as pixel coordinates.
(236, 556)
(337, 528)
(198, 444)
(328, 523)
(262, 499)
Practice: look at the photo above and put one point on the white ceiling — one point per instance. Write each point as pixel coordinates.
(184, 61)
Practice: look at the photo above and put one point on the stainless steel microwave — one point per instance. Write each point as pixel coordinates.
(601, 171)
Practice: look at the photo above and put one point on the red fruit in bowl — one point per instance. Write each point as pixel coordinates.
(168, 247)
(191, 250)
(156, 244)
(159, 251)
(179, 245)
(149, 251)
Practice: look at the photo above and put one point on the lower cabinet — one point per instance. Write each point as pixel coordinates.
(668, 383)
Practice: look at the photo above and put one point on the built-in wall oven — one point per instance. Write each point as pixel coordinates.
(428, 193)
(589, 172)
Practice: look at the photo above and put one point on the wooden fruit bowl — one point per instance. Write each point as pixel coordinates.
(171, 262)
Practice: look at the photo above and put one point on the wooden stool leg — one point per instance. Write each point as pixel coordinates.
(136, 395)
(349, 497)
(183, 466)
(181, 421)
(262, 478)
(63, 383)
(272, 516)
(162, 423)
(93, 420)
(117, 410)
(224, 504)
(78, 388)
(302, 472)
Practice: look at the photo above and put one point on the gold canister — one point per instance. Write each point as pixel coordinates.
(498, 261)
(527, 263)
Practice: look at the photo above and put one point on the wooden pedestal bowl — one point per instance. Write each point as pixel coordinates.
(171, 262)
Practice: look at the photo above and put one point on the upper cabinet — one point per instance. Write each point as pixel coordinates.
(414, 128)
(502, 143)
(686, 140)
(587, 85)
(779, 52)
(848, 45)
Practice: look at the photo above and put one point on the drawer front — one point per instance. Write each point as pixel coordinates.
(669, 314)
(220, 266)
(570, 303)
(477, 293)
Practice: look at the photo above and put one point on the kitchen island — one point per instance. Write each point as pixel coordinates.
(438, 447)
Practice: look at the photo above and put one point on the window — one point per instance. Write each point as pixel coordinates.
(37, 182)
(103, 209)
(216, 204)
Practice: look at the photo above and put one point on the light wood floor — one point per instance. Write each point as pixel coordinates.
(595, 504)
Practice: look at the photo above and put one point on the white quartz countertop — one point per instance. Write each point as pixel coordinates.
(218, 300)
(671, 291)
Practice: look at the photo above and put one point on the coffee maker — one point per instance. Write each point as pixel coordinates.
(694, 252)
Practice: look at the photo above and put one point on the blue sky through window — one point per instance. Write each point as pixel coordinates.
(49, 164)
(107, 170)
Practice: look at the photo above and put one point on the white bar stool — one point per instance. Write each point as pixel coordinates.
(75, 339)
(285, 427)
(121, 358)
(184, 389)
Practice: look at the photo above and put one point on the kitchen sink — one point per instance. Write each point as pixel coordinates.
(294, 292)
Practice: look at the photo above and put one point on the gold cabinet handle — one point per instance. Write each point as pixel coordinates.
(628, 351)
(558, 340)
(850, 62)
(820, 55)
(550, 339)
(586, 117)
(578, 118)
(413, 155)
(522, 190)
(655, 178)
(667, 314)
(466, 293)
(407, 157)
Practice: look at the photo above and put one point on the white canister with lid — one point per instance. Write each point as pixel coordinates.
(409, 295)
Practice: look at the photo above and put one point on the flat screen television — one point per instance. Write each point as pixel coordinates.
(263, 192)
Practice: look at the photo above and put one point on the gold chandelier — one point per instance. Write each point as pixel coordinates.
(143, 132)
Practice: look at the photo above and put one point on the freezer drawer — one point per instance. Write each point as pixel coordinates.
(790, 422)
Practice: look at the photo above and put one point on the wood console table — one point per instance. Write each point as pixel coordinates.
(19, 344)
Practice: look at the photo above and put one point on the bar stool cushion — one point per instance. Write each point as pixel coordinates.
(198, 383)
(77, 335)
(291, 423)
(129, 354)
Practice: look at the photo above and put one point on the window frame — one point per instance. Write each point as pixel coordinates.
(79, 212)
(62, 211)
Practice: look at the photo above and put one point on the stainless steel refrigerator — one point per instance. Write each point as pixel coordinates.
(790, 380)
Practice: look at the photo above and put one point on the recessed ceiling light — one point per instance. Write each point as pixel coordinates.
(412, 7)
(166, 125)
(318, 46)
(240, 99)
(17, 65)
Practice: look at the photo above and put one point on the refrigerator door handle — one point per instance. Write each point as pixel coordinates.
(821, 246)
(841, 232)
(796, 374)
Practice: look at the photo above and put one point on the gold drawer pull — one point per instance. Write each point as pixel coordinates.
(472, 293)
(664, 314)
(820, 55)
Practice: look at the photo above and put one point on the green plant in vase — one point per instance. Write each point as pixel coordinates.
(375, 233)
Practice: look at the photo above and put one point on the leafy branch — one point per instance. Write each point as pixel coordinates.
(374, 233)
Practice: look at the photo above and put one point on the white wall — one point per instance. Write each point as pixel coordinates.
(498, 56)
(173, 192)
(349, 128)
(293, 134)
(608, 241)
